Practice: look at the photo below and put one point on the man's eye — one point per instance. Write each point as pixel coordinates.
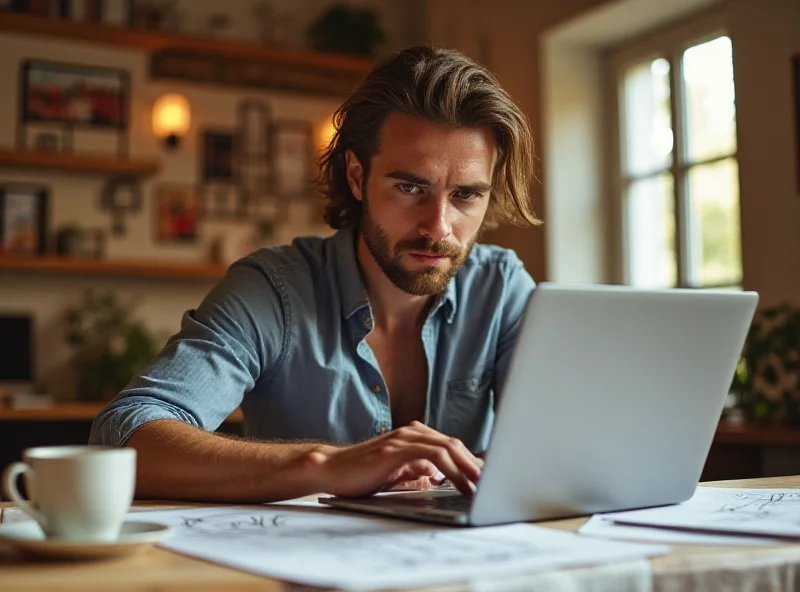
(408, 188)
(468, 195)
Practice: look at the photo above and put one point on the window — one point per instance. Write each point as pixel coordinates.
(679, 182)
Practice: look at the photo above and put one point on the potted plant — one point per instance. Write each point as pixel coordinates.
(348, 30)
(110, 347)
(767, 379)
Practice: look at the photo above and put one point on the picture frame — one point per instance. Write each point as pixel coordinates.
(292, 157)
(218, 153)
(34, 7)
(74, 95)
(117, 13)
(222, 201)
(253, 158)
(796, 85)
(23, 219)
(176, 210)
(70, 96)
(85, 10)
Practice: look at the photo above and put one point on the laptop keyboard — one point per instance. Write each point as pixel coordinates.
(455, 503)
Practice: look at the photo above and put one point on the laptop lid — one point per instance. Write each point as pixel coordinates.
(611, 400)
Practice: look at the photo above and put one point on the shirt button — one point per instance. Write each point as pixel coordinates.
(367, 321)
(376, 388)
(383, 430)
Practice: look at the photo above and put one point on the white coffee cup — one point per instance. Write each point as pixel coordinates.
(79, 493)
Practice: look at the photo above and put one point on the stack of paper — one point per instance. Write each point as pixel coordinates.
(323, 547)
(712, 515)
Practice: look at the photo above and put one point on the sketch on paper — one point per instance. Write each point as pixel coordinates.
(767, 512)
(352, 551)
(416, 548)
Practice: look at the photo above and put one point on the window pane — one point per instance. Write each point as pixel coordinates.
(651, 233)
(715, 233)
(646, 118)
(710, 100)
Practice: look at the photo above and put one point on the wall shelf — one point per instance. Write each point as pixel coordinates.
(78, 163)
(99, 267)
(303, 71)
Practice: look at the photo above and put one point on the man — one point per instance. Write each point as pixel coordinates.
(371, 358)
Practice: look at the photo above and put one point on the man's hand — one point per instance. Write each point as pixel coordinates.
(408, 454)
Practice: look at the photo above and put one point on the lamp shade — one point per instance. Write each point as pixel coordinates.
(171, 116)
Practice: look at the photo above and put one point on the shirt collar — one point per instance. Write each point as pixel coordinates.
(354, 294)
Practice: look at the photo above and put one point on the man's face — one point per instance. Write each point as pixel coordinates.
(425, 200)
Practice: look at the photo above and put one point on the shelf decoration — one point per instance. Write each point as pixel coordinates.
(176, 213)
(73, 96)
(293, 158)
(23, 219)
(120, 197)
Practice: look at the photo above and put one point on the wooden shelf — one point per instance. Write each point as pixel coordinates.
(78, 163)
(749, 435)
(138, 269)
(73, 411)
(156, 42)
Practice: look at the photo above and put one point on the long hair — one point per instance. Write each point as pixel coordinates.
(445, 87)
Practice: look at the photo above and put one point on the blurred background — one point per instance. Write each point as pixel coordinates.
(147, 144)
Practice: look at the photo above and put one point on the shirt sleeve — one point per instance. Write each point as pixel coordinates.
(232, 339)
(519, 287)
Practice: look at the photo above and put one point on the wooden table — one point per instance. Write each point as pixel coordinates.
(686, 568)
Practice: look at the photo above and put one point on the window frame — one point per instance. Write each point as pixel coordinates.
(669, 43)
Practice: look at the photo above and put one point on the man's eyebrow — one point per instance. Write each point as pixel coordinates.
(407, 177)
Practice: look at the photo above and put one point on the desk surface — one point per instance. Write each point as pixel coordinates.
(687, 567)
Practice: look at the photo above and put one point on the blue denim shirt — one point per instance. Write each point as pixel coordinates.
(283, 335)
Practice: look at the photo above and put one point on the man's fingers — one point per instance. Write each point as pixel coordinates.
(440, 456)
(421, 484)
(456, 450)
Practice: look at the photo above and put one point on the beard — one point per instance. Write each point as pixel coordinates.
(428, 281)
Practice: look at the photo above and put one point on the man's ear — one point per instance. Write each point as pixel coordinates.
(355, 173)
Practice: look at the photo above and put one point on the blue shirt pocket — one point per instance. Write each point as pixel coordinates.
(468, 406)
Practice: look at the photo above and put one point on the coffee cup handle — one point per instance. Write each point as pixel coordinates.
(10, 476)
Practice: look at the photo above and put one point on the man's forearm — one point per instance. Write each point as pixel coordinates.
(178, 461)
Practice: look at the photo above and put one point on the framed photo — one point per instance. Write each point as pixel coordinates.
(796, 73)
(87, 10)
(23, 219)
(117, 12)
(176, 213)
(218, 153)
(292, 158)
(73, 95)
(222, 201)
(37, 7)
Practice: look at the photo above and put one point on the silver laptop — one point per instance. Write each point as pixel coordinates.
(611, 402)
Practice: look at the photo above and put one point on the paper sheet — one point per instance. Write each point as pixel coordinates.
(634, 576)
(766, 512)
(325, 547)
(604, 527)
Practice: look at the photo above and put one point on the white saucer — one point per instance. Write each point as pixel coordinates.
(27, 538)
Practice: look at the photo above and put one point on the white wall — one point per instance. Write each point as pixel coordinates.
(74, 197)
(765, 35)
(575, 133)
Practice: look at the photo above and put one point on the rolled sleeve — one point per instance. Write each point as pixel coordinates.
(204, 371)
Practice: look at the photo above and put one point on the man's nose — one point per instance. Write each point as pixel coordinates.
(435, 220)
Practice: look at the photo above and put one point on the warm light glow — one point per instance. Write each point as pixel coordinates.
(171, 116)
(325, 131)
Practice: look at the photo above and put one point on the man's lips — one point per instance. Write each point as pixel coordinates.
(429, 258)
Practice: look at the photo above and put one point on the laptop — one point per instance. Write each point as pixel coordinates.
(611, 402)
